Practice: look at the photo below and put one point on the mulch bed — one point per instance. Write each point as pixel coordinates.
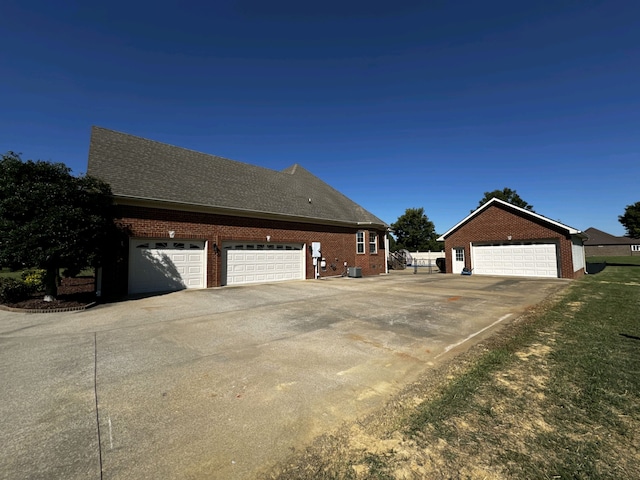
(72, 293)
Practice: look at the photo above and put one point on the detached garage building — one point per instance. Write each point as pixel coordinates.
(501, 239)
(195, 220)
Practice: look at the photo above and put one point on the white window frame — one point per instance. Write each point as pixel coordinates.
(373, 243)
(635, 248)
(360, 243)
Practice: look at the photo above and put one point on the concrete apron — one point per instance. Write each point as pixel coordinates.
(224, 383)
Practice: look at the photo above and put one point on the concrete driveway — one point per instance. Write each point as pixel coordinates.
(223, 383)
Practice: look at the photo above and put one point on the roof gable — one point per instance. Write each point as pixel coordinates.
(521, 211)
(137, 168)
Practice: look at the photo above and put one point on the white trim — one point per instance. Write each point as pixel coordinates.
(375, 242)
(364, 243)
(570, 230)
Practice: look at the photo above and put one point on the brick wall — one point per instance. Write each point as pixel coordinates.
(338, 243)
(497, 223)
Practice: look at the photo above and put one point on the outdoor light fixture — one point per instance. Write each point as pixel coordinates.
(268, 238)
(216, 250)
(172, 233)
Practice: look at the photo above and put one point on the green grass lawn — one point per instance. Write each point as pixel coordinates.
(6, 273)
(556, 395)
(629, 260)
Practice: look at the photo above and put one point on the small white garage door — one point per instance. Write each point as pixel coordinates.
(260, 263)
(162, 266)
(533, 260)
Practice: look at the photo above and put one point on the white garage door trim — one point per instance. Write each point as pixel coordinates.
(245, 263)
(520, 260)
(166, 265)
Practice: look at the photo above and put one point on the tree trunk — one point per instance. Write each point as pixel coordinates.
(50, 284)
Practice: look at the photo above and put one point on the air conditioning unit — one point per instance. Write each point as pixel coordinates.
(354, 272)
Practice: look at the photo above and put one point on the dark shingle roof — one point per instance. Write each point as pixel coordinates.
(144, 169)
(598, 237)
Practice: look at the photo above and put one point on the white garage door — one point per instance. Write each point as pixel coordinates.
(259, 263)
(162, 266)
(537, 260)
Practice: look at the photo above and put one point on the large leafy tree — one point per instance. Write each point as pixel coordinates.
(414, 231)
(631, 220)
(508, 195)
(51, 219)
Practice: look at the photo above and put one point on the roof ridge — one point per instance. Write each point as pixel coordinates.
(495, 200)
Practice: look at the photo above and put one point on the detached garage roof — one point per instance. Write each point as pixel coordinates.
(525, 213)
(173, 177)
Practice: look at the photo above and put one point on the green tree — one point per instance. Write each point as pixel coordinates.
(51, 219)
(631, 220)
(414, 231)
(507, 195)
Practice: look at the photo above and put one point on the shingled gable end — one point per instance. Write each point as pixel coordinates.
(196, 220)
(499, 238)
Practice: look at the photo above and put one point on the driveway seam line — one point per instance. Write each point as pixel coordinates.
(450, 347)
(95, 395)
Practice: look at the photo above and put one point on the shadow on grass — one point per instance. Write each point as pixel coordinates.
(632, 337)
(593, 268)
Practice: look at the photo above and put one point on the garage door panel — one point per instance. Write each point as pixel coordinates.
(156, 266)
(259, 266)
(538, 260)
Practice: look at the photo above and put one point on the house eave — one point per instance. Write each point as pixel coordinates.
(236, 212)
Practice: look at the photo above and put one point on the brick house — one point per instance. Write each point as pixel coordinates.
(196, 220)
(501, 239)
(603, 244)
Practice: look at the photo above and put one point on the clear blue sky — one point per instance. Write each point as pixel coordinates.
(396, 104)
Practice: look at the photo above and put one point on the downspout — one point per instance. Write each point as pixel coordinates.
(386, 251)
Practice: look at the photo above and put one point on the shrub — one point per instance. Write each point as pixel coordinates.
(13, 290)
(34, 280)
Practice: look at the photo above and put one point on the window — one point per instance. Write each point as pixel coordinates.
(459, 254)
(373, 242)
(360, 242)
(635, 248)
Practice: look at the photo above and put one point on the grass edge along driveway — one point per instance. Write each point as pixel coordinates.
(555, 395)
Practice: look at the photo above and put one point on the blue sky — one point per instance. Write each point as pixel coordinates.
(395, 104)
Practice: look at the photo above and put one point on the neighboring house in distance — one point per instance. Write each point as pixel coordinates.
(198, 220)
(499, 238)
(601, 244)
